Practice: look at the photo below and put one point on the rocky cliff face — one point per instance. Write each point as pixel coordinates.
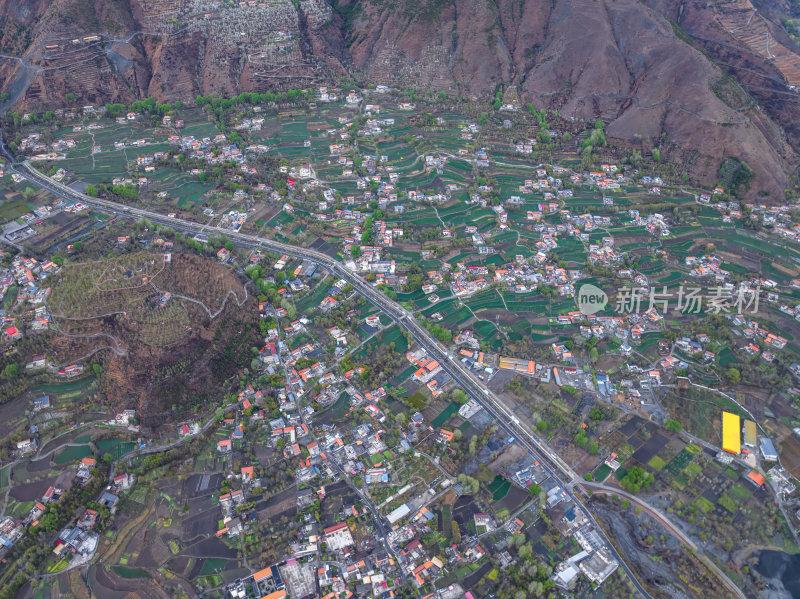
(694, 77)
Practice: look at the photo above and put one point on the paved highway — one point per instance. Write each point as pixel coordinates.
(475, 389)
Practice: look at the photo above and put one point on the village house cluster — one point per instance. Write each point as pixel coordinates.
(28, 277)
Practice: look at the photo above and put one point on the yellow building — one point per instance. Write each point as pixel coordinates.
(731, 433)
(749, 433)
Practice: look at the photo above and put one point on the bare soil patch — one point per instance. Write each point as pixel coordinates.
(32, 491)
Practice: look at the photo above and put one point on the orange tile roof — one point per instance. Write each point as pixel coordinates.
(756, 477)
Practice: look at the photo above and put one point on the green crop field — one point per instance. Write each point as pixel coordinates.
(13, 206)
(61, 389)
(190, 193)
(484, 328)
(314, 298)
(703, 504)
(670, 277)
(486, 300)
(72, 453)
(115, 447)
(602, 473)
(403, 375)
(443, 307)
(212, 565)
(281, 218)
(679, 462)
(499, 487)
(340, 407)
(126, 572)
(727, 358)
(392, 335)
(456, 317)
(445, 415)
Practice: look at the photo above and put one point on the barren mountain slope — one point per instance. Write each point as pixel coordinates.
(655, 71)
(616, 59)
(753, 49)
(630, 69)
(165, 339)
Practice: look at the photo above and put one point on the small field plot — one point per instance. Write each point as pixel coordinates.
(73, 453)
(13, 205)
(116, 447)
(128, 572)
(445, 415)
(499, 487)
